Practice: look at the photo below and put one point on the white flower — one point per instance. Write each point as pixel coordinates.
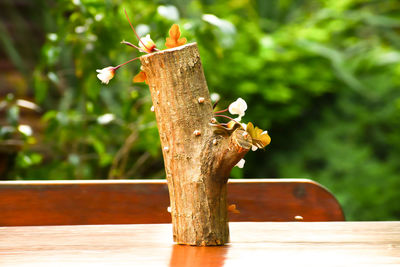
(147, 44)
(238, 107)
(25, 129)
(240, 164)
(106, 74)
(215, 97)
(105, 118)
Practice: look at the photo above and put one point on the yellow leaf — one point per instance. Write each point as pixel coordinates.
(259, 137)
(173, 40)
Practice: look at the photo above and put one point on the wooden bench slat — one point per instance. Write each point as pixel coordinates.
(24, 203)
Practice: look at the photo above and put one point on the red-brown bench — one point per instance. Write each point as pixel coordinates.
(72, 202)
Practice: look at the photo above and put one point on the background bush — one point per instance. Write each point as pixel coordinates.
(322, 76)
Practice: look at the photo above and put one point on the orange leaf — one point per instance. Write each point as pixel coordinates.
(173, 40)
(232, 208)
(140, 77)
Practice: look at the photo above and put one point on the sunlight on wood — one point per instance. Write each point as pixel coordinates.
(252, 244)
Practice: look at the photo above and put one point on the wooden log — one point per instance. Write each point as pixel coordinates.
(197, 161)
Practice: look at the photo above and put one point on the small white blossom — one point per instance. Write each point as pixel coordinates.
(169, 12)
(25, 129)
(240, 164)
(80, 29)
(147, 44)
(99, 17)
(106, 74)
(105, 118)
(215, 97)
(238, 108)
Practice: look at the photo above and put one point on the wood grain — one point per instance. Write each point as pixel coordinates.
(252, 244)
(146, 201)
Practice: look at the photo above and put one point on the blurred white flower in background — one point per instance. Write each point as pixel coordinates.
(105, 118)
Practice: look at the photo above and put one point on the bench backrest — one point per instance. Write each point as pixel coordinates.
(146, 201)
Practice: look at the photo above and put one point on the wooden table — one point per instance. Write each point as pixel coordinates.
(252, 244)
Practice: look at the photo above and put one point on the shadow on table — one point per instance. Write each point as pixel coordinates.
(183, 255)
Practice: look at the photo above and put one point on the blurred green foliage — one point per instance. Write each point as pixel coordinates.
(322, 76)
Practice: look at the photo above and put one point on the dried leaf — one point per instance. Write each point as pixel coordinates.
(232, 208)
(140, 77)
(173, 40)
(227, 130)
(232, 125)
(259, 137)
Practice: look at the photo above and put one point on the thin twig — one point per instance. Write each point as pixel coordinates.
(221, 111)
(215, 104)
(119, 162)
(139, 163)
(223, 116)
(120, 65)
(140, 40)
(132, 45)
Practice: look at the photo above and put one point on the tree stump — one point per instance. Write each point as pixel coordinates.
(197, 160)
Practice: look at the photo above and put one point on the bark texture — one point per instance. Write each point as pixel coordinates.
(197, 160)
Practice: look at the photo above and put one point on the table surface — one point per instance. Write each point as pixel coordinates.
(252, 244)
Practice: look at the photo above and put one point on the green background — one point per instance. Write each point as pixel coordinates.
(322, 77)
